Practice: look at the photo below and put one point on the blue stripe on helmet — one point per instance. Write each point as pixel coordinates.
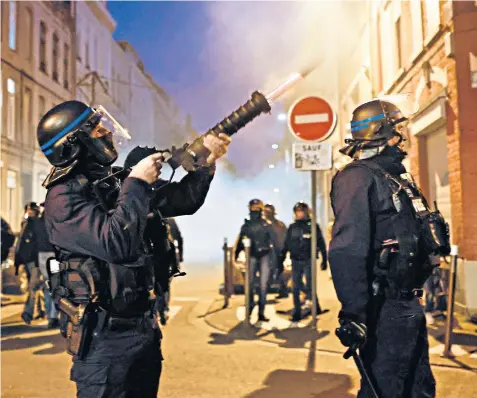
(369, 119)
(357, 128)
(48, 152)
(66, 130)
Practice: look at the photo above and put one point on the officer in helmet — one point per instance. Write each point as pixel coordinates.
(377, 261)
(280, 230)
(263, 242)
(298, 244)
(104, 276)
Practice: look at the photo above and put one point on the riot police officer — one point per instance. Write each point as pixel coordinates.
(103, 279)
(263, 242)
(381, 253)
(298, 243)
(280, 230)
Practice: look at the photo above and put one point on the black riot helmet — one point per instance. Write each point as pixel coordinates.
(32, 206)
(270, 208)
(255, 205)
(72, 128)
(303, 207)
(372, 125)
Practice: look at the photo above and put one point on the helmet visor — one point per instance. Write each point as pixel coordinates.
(104, 135)
(405, 105)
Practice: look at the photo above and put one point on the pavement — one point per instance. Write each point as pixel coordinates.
(209, 351)
(281, 331)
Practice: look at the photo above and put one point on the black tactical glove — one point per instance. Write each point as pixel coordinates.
(351, 334)
(137, 154)
(324, 265)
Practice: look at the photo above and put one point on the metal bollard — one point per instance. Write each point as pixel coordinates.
(450, 303)
(231, 269)
(225, 248)
(247, 243)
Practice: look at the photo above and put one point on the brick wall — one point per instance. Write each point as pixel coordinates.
(461, 121)
(465, 127)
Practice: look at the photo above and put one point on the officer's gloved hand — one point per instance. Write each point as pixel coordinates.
(351, 334)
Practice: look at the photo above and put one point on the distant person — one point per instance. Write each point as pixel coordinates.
(298, 244)
(280, 230)
(45, 251)
(263, 242)
(8, 239)
(26, 253)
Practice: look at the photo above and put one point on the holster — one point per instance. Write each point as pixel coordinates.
(77, 328)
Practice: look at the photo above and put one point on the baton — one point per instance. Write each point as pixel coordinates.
(362, 370)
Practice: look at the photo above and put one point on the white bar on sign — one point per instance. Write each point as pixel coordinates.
(312, 118)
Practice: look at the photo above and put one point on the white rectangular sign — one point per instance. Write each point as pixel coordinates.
(312, 156)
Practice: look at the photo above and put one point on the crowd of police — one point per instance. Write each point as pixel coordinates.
(113, 253)
(271, 242)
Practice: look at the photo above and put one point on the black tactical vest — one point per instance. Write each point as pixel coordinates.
(121, 289)
(419, 232)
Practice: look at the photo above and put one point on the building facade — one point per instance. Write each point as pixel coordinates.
(37, 73)
(111, 73)
(428, 50)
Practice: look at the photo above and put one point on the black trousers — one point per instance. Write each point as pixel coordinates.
(121, 363)
(397, 352)
(302, 268)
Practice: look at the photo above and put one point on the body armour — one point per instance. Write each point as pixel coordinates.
(418, 233)
(121, 289)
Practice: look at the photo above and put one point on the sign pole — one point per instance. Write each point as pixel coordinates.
(314, 308)
(312, 120)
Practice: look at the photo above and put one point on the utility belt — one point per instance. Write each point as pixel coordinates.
(402, 294)
(90, 300)
(83, 322)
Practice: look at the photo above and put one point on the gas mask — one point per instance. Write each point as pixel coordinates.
(255, 214)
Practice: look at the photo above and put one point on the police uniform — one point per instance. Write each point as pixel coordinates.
(176, 236)
(280, 231)
(97, 228)
(378, 261)
(298, 243)
(263, 242)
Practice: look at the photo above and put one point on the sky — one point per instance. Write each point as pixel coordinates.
(210, 57)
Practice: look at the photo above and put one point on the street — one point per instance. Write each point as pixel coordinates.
(209, 352)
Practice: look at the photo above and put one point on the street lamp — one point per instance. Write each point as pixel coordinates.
(275, 146)
(282, 117)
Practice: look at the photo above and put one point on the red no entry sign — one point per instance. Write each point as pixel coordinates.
(311, 119)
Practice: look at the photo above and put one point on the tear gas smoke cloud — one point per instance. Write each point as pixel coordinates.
(257, 45)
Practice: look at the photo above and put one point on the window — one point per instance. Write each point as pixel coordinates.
(416, 22)
(431, 18)
(27, 116)
(399, 46)
(41, 107)
(12, 25)
(55, 57)
(113, 84)
(11, 109)
(11, 191)
(387, 50)
(78, 42)
(29, 33)
(86, 56)
(95, 55)
(473, 70)
(42, 46)
(66, 66)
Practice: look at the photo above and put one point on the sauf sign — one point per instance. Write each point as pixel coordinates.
(312, 156)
